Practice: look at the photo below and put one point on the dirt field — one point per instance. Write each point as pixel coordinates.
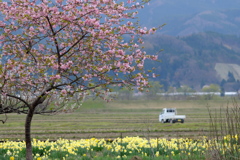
(110, 120)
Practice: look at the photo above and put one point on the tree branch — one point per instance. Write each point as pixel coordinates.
(54, 38)
(4, 121)
(74, 44)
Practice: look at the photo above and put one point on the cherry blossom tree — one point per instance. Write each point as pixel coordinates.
(53, 51)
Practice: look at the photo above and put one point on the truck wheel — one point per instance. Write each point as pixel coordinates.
(183, 121)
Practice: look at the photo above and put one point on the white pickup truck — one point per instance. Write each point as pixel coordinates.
(170, 115)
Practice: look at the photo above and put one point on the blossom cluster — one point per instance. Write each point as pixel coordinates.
(119, 148)
(63, 40)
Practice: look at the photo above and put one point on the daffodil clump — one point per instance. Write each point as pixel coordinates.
(120, 148)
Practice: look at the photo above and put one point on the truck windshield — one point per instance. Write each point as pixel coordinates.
(170, 110)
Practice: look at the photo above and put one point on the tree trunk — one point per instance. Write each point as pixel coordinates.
(28, 134)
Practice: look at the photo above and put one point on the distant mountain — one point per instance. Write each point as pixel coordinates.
(200, 42)
(197, 59)
(226, 22)
(192, 16)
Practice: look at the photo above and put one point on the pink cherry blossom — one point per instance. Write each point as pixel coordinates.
(63, 92)
(52, 48)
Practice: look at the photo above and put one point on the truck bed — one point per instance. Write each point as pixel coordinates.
(179, 116)
(175, 117)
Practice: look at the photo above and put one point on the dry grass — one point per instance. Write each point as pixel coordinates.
(109, 120)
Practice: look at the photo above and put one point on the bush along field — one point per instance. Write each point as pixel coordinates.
(126, 148)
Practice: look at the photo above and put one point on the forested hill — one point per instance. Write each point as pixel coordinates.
(197, 60)
(194, 53)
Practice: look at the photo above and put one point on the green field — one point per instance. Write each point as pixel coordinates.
(99, 119)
